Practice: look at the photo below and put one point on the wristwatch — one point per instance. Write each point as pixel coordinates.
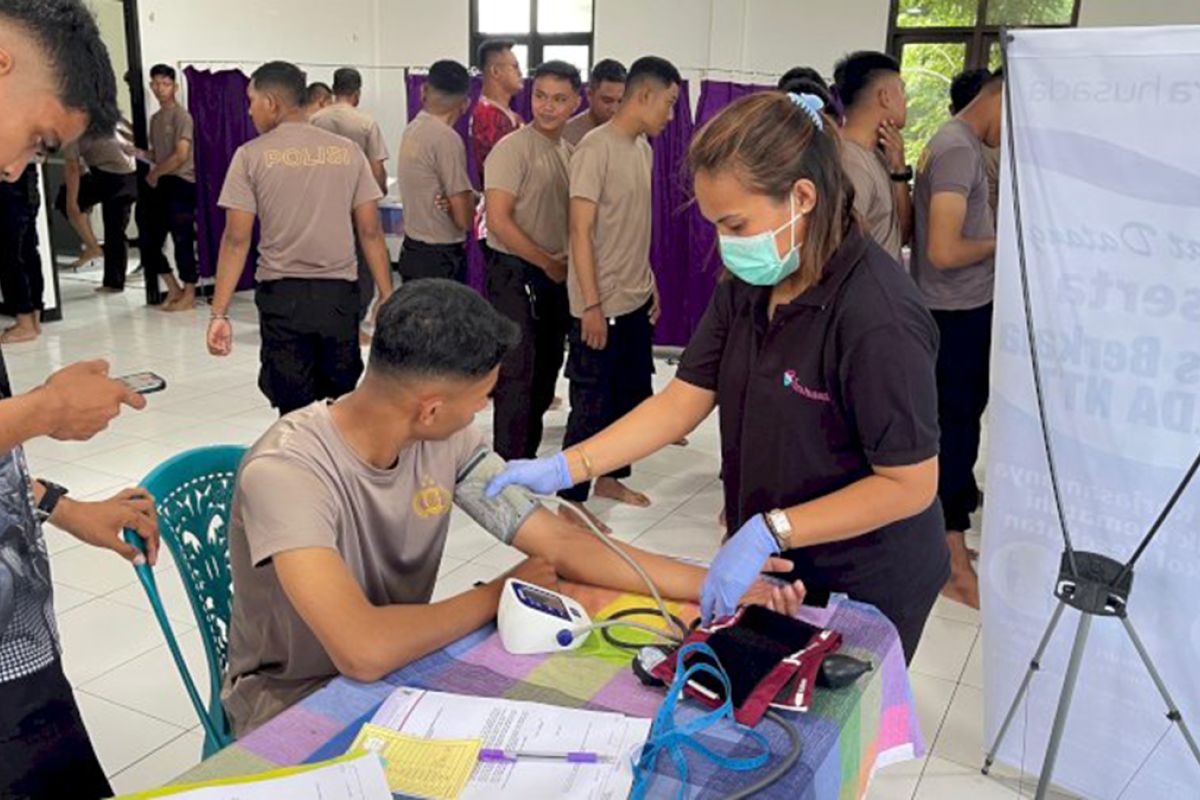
(45, 507)
(780, 527)
(902, 177)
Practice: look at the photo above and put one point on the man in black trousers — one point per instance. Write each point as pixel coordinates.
(527, 180)
(21, 278)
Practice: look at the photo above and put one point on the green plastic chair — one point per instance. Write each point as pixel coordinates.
(194, 497)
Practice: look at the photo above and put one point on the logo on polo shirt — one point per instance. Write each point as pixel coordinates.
(431, 500)
(327, 156)
(790, 382)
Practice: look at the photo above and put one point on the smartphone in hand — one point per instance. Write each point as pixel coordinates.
(144, 382)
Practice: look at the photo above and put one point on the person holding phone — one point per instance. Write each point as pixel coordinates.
(872, 90)
(56, 83)
(819, 355)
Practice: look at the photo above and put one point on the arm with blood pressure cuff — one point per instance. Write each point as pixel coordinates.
(746, 663)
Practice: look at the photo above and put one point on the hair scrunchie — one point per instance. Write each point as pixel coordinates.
(811, 105)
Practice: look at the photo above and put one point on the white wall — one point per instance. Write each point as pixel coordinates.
(1103, 13)
(756, 36)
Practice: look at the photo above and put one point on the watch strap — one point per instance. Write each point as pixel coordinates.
(50, 497)
(902, 177)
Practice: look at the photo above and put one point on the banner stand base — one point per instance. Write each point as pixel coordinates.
(1101, 589)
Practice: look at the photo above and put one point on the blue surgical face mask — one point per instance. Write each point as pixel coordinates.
(756, 260)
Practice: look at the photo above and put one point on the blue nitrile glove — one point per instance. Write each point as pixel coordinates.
(541, 475)
(736, 566)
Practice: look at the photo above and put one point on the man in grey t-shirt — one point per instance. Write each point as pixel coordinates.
(342, 513)
(953, 265)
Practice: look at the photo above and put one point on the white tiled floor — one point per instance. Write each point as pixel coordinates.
(131, 698)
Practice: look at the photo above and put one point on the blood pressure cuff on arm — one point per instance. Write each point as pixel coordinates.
(501, 516)
(771, 660)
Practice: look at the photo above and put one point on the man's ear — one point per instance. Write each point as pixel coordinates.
(6, 61)
(428, 411)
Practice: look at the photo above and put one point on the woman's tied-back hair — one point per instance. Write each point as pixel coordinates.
(770, 142)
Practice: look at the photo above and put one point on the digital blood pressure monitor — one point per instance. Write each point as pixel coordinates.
(536, 620)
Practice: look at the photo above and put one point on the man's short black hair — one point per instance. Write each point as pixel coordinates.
(806, 80)
(492, 47)
(607, 69)
(965, 87)
(316, 91)
(802, 73)
(439, 329)
(855, 72)
(347, 81)
(654, 69)
(449, 78)
(282, 78)
(560, 69)
(67, 35)
(162, 71)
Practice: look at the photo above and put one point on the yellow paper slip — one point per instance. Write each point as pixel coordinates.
(437, 769)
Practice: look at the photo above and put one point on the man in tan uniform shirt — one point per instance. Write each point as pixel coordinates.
(311, 191)
(872, 91)
(432, 166)
(168, 207)
(528, 194)
(606, 87)
(611, 287)
(342, 512)
(344, 118)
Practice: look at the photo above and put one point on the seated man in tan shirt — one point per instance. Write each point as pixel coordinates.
(312, 192)
(342, 511)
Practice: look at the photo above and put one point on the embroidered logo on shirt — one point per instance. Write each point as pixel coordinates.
(431, 500)
(789, 381)
(332, 156)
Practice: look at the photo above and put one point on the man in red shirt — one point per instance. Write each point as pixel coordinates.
(492, 118)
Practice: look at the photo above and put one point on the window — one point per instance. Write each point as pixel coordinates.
(935, 40)
(543, 30)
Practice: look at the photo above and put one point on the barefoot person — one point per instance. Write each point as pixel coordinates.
(954, 266)
(819, 356)
(169, 207)
(613, 296)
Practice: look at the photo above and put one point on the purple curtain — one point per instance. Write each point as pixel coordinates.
(704, 258)
(221, 114)
(670, 254)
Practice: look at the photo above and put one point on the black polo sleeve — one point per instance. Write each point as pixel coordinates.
(889, 385)
(701, 361)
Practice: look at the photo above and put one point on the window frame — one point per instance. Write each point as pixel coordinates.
(978, 37)
(535, 41)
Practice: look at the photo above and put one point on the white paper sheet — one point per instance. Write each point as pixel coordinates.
(515, 725)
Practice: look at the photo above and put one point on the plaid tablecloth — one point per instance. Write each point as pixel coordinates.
(847, 735)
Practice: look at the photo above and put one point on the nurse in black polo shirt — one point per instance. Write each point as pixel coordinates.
(820, 356)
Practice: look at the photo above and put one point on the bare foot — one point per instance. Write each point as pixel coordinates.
(579, 514)
(172, 300)
(613, 489)
(183, 304)
(963, 585)
(19, 333)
